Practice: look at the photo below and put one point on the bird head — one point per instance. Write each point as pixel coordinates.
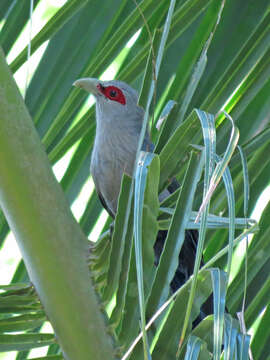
(114, 98)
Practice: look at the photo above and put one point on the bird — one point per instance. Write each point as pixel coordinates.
(119, 121)
(118, 126)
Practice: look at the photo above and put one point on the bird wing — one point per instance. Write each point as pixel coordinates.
(104, 204)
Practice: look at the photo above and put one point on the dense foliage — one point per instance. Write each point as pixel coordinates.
(202, 70)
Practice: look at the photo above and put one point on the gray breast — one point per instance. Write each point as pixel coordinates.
(112, 156)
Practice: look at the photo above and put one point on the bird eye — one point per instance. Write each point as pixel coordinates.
(113, 93)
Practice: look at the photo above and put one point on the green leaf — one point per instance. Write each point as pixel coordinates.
(175, 238)
(219, 280)
(43, 223)
(260, 342)
(51, 27)
(193, 348)
(204, 331)
(23, 322)
(146, 209)
(145, 213)
(49, 357)
(242, 343)
(15, 21)
(118, 241)
(167, 343)
(176, 148)
(230, 334)
(179, 86)
(258, 255)
(24, 341)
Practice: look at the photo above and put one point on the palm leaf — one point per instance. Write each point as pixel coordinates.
(215, 58)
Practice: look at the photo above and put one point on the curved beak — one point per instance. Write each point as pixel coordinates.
(88, 84)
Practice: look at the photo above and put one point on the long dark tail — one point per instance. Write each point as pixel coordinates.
(186, 260)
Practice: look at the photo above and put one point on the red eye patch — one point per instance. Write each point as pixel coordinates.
(112, 93)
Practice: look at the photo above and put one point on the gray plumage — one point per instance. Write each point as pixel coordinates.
(117, 135)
